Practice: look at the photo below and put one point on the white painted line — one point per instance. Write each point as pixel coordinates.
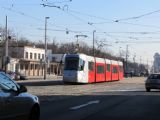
(124, 90)
(84, 105)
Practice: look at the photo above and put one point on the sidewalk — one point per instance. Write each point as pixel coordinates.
(41, 78)
(39, 81)
(48, 77)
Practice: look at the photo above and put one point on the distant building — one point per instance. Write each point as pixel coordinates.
(156, 63)
(57, 58)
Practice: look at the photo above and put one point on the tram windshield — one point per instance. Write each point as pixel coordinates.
(74, 63)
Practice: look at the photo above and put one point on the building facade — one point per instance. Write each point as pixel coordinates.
(29, 61)
(156, 63)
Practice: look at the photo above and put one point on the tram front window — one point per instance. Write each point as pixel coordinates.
(74, 63)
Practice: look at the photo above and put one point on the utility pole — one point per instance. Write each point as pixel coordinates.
(17, 47)
(93, 42)
(140, 65)
(45, 59)
(126, 58)
(140, 60)
(120, 52)
(77, 49)
(152, 63)
(6, 45)
(134, 60)
(17, 68)
(147, 66)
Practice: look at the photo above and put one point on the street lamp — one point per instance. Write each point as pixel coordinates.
(120, 52)
(93, 43)
(6, 45)
(78, 41)
(45, 59)
(134, 60)
(127, 57)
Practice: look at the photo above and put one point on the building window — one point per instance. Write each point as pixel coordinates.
(36, 66)
(21, 66)
(100, 69)
(42, 56)
(30, 55)
(26, 55)
(35, 56)
(39, 56)
(26, 67)
(32, 66)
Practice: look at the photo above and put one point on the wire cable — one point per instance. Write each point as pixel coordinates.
(140, 16)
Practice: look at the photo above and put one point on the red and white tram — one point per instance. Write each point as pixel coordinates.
(81, 68)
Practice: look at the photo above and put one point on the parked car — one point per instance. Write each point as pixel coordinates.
(20, 76)
(11, 74)
(152, 82)
(137, 74)
(127, 74)
(23, 77)
(15, 102)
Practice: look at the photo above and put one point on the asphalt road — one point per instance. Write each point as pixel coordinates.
(113, 104)
(103, 107)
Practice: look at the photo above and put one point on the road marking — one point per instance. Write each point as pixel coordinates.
(84, 105)
(129, 90)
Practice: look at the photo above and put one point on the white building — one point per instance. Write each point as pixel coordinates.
(29, 61)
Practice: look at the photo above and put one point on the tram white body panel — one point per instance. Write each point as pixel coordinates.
(78, 76)
(100, 60)
(108, 61)
(120, 63)
(114, 62)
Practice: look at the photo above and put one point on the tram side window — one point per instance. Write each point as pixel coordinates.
(81, 64)
(108, 68)
(90, 66)
(100, 69)
(114, 70)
